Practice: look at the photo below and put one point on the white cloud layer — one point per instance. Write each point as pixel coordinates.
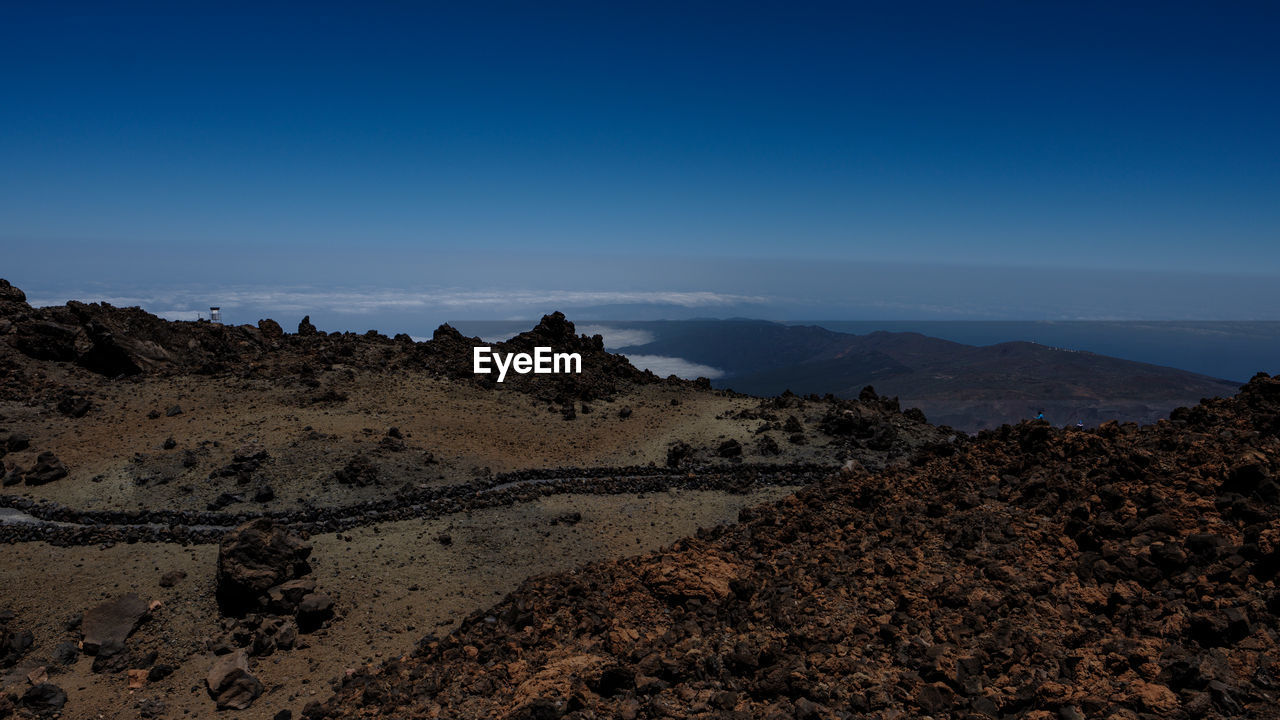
(617, 337)
(662, 366)
(364, 301)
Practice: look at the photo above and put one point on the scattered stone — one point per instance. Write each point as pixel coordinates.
(169, 443)
(305, 328)
(767, 446)
(173, 411)
(244, 462)
(173, 577)
(152, 708)
(13, 442)
(313, 611)
(65, 653)
(107, 626)
(47, 469)
(230, 684)
(729, 449)
(678, 453)
(223, 500)
(569, 518)
(75, 406)
(394, 443)
(359, 471)
(285, 597)
(45, 698)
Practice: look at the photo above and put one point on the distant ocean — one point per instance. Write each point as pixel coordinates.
(1227, 350)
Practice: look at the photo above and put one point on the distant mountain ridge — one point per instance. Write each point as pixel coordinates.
(966, 386)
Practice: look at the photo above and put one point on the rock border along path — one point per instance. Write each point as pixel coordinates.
(44, 521)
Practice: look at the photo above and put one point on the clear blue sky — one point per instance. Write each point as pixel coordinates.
(1027, 134)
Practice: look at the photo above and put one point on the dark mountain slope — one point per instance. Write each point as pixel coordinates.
(965, 386)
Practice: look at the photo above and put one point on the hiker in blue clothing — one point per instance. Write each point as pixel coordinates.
(1040, 416)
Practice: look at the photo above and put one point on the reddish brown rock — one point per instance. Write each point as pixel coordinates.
(255, 557)
(230, 684)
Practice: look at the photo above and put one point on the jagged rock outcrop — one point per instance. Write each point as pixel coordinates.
(114, 341)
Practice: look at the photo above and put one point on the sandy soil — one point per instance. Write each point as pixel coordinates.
(453, 432)
(393, 583)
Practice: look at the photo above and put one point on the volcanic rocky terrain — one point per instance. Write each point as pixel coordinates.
(202, 517)
(240, 520)
(1117, 572)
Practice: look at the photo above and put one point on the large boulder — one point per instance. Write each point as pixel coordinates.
(255, 557)
(230, 684)
(107, 626)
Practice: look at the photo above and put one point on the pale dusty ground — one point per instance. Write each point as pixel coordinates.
(371, 576)
(116, 461)
(115, 458)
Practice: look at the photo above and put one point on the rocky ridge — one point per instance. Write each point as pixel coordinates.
(121, 342)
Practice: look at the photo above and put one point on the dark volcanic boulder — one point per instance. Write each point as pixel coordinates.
(255, 557)
(230, 684)
(107, 626)
(47, 469)
(9, 293)
(270, 329)
(305, 327)
(729, 449)
(313, 611)
(44, 698)
(12, 442)
(74, 406)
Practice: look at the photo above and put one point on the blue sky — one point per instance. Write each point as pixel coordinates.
(563, 147)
